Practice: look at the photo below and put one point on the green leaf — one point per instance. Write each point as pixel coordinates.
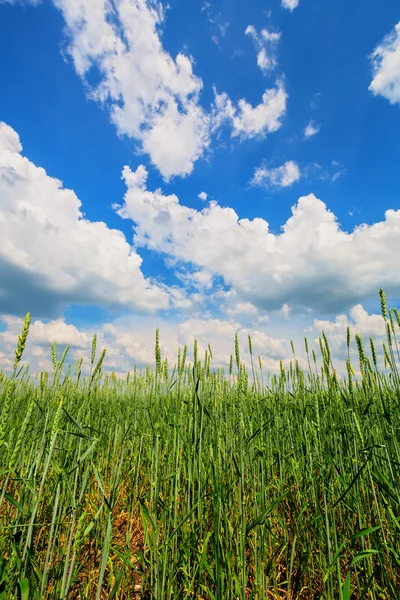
(23, 584)
(145, 512)
(364, 532)
(117, 583)
(333, 562)
(92, 522)
(346, 588)
(14, 502)
(261, 518)
(364, 554)
(353, 481)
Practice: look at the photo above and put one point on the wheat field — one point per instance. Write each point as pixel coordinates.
(184, 481)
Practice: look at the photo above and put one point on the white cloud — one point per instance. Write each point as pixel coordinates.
(43, 334)
(131, 340)
(217, 23)
(203, 196)
(202, 280)
(284, 312)
(151, 96)
(386, 67)
(265, 44)
(359, 321)
(248, 121)
(329, 172)
(283, 176)
(243, 308)
(51, 255)
(311, 264)
(337, 175)
(311, 129)
(290, 4)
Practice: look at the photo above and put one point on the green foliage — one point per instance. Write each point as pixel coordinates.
(182, 483)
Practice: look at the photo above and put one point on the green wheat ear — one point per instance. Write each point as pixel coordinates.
(22, 340)
(386, 355)
(158, 351)
(250, 346)
(54, 355)
(179, 361)
(6, 410)
(361, 353)
(397, 315)
(237, 353)
(94, 340)
(382, 296)
(195, 353)
(373, 351)
(392, 322)
(183, 359)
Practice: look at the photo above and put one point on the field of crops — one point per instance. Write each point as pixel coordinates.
(187, 482)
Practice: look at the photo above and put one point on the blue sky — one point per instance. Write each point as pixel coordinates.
(285, 113)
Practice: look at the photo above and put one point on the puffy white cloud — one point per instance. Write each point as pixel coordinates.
(282, 176)
(265, 43)
(130, 341)
(9, 142)
(311, 129)
(249, 121)
(386, 67)
(290, 4)
(359, 321)
(311, 264)
(151, 96)
(43, 334)
(51, 255)
(203, 196)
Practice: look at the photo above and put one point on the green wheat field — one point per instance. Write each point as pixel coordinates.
(185, 481)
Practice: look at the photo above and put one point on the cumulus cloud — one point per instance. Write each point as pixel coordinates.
(130, 340)
(249, 121)
(151, 96)
(283, 176)
(386, 67)
(51, 255)
(311, 129)
(265, 43)
(203, 196)
(312, 264)
(359, 321)
(290, 4)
